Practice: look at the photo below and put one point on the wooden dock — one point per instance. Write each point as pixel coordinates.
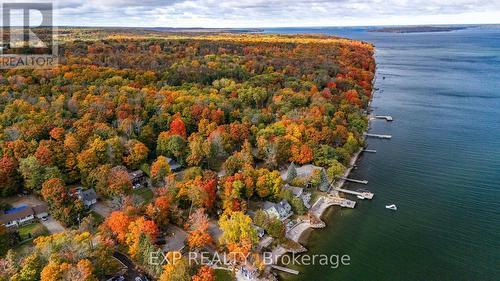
(285, 269)
(379, 136)
(365, 194)
(356, 181)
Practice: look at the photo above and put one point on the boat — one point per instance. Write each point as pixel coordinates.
(360, 197)
(391, 207)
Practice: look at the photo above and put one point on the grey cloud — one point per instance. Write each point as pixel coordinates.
(157, 12)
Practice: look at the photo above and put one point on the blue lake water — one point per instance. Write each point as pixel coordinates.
(441, 168)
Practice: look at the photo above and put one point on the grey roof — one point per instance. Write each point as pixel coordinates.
(40, 209)
(26, 212)
(269, 205)
(136, 174)
(297, 191)
(89, 195)
(278, 206)
(173, 164)
(283, 204)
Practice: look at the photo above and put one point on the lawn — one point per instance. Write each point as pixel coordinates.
(35, 229)
(223, 275)
(145, 193)
(97, 217)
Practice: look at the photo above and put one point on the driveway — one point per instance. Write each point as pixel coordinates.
(102, 208)
(28, 200)
(52, 225)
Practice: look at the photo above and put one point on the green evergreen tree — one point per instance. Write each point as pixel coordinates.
(291, 173)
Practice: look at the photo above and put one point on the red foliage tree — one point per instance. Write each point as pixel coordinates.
(177, 127)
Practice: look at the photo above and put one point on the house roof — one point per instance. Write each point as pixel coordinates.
(136, 174)
(39, 209)
(22, 213)
(297, 191)
(283, 204)
(89, 195)
(268, 205)
(173, 164)
(278, 206)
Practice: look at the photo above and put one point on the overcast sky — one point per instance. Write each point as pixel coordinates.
(272, 13)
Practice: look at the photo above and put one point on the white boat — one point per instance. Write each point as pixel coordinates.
(360, 197)
(391, 207)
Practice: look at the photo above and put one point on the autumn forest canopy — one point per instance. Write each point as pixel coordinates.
(231, 109)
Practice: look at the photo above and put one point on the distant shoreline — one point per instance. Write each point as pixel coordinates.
(418, 29)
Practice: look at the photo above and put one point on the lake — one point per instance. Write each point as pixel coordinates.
(441, 167)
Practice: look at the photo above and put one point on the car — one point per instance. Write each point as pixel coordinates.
(44, 218)
(138, 278)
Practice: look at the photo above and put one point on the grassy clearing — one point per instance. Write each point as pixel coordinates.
(224, 275)
(145, 193)
(32, 230)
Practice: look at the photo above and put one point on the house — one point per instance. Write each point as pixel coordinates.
(41, 210)
(17, 216)
(281, 210)
(174, 166)
(299, 193)
(247, 272)
(137, 178)
(88, 197)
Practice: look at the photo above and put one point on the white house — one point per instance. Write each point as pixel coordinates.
(17, 216)
(281, 210)
(299, 193)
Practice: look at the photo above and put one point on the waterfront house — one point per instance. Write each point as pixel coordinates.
(17, 216)
(281, 210)
(301, 194)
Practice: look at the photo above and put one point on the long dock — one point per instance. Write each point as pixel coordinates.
(386, 117)
(365, 194)
(356, 181)
(285, 269)
(379, 136)
(370, 150)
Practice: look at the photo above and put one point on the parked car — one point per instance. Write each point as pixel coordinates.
(44, 218)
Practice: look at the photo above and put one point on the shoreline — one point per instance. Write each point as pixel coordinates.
(304, 233)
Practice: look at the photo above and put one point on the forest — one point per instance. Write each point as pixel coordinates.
(232, 109)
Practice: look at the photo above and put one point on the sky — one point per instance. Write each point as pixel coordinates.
(271, 13)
